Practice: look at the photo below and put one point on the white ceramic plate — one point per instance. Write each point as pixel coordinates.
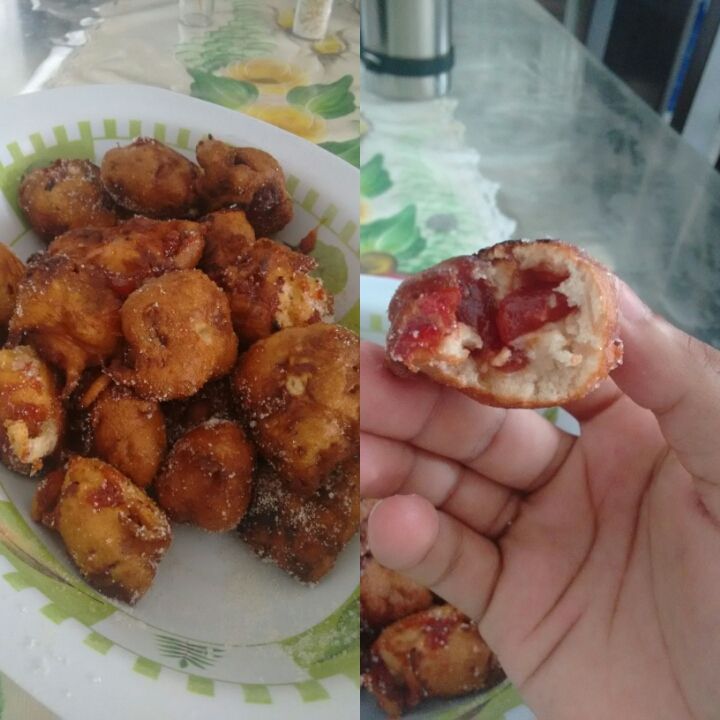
(219, 634)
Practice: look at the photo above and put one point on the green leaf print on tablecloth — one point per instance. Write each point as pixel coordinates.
(246, 36)
(374, 178)
(397, 235)
(349, 150)
(233, 94)
(330, 647)
(329, 101)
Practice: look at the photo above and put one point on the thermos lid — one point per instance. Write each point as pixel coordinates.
(406, 47)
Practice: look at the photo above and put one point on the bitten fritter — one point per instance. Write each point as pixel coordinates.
(212, 402)
(151, 179)
(227, 235)
(113, 531)
(434, 653)
(134, 250)
(11, 271)
(298, 391)
(68, 314)
(303, 535)
(269, 288)
(248, 178)
(31, 413)
(178, 336)
(128, 432)
(65, 195)
(207, 478)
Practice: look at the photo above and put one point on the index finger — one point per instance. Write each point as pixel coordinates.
(446, 422)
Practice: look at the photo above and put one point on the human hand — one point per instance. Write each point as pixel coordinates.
(592, 564)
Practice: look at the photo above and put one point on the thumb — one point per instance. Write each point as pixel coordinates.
(677, 377)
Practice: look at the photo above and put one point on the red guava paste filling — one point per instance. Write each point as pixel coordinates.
(528, 308)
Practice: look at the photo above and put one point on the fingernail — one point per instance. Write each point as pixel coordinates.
(632, 308)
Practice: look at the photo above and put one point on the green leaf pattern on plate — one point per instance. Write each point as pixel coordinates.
(329, 101)
(332, 266)
(188, 653)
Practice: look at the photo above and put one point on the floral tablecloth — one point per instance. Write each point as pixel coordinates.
(423, 197)
(247, 60)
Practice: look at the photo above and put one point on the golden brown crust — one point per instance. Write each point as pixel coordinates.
(134, 250)
(298, 392)
(434, 653)
(129, 433)
(65, 195)
(248, 178)
(68, 314)
(178, 336)
(149, 178)
(228, 234)
(32, 418)
(113, 531)
(303, 535)
(453, 273)
(11, 272)
(207, 478)
(269, 287)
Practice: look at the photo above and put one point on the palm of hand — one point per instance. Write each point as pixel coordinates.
(580, 615)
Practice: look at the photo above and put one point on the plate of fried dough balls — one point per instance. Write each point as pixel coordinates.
(179, 391)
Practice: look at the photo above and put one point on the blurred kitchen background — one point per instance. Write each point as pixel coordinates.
(667, 51)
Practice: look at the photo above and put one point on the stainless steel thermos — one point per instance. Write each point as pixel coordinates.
(406, 47)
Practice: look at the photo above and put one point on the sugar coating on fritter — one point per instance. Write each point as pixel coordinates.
(298, 391)
(269, 287)
(32, 417)
(134, 250)
(248, 178)
(149, 178)
(178, 336)
(11, 271)
(113, 531)
(303, 535)
(127, 432)
(519, 324)
(207, 477)
(65, 195)
(68, 313)
(434, 653)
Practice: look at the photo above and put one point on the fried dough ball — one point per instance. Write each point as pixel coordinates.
(31, 413)
(115, 534)
(434, 653)
(127, 432)
(227, 235)
(207, 478)
(68, 314)
(247, 177)
(179, 335)
(298, 391)
(269, 288)
(303, 535)
(65, 195)
(134, 250)
(11, 270)
(151, 179)
(212, 402)
(387, 596)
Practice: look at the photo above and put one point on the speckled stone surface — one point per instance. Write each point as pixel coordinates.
(580, 157)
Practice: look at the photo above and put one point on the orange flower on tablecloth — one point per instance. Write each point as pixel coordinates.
(293, 119)
(270, 76)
